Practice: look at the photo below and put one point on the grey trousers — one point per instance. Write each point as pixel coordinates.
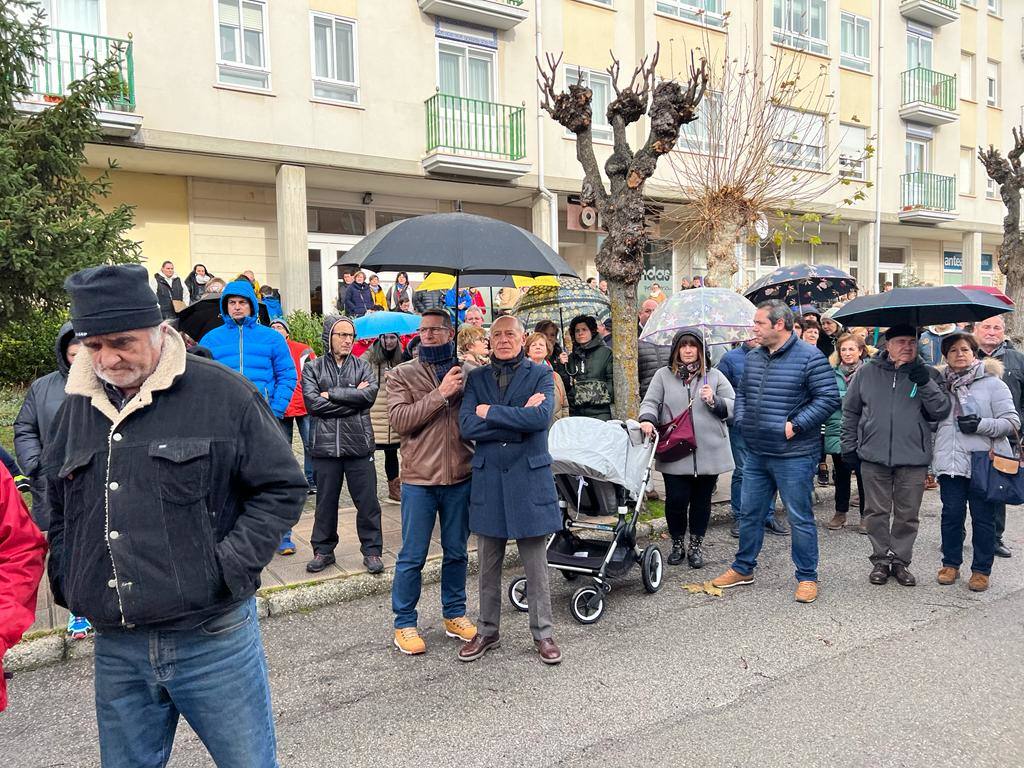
(892, 502)
(491, 553)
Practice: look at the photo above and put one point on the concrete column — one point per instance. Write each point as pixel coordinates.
(971, 250)
(867, 258)
(292, 242)
(541, 218)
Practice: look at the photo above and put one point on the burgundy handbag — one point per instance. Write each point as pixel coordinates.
(676, 439)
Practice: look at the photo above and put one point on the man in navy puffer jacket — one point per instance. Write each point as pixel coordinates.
(787, 392)
(255, 351)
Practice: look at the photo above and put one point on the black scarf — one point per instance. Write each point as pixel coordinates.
(504, 370)
(441, 358)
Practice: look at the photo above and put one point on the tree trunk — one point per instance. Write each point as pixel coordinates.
(722, 254)
(1010, 257)
(624, 349)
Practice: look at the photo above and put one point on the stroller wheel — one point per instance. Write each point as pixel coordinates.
(517, 594)
(570, 575)
(587, 605)
(652, 568)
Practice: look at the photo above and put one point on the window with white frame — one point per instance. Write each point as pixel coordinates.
(71, 15)
(701, 136)
(991, 188)
(992, 83)
(802, 24)
(709, 12)
(853, 142)
(334, 58)
(799, 139)
(995, 7)
(966, 180)
(242, 43)
(600, 84)
(966, 84)
(854, 42)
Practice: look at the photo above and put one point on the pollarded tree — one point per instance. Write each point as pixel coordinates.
(669, 105)
(51, 221)
(1007, 173)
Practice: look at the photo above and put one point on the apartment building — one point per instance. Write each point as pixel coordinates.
(273, 134)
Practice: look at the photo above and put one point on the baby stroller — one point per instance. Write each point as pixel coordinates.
(602, 470)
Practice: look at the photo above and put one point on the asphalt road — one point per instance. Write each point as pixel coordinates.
(867, 676)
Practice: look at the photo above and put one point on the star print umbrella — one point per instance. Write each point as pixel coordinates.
(723, 316)
(802, 284)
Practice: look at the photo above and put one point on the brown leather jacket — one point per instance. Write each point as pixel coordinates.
(433, 451)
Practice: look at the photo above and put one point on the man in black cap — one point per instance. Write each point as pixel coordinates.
(169, 485)
(888, 414)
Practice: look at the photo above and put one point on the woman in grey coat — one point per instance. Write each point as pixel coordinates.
(981, 418)
(689, 482)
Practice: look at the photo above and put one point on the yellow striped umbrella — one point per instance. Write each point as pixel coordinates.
(441, 281)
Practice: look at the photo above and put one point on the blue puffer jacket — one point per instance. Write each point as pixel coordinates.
(794, 384)
(255, 351)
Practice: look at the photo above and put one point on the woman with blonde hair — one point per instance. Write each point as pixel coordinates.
(539, 349)
(471, 345)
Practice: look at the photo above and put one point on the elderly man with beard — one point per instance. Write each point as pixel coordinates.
(506, 410)
(169, 485)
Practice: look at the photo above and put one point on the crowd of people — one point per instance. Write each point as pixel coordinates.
(162, 469)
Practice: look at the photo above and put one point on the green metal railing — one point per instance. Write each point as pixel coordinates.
(516, 3)
(928, 190)
(951, 4)
(70, 56)
(477, 127)
(929, 86)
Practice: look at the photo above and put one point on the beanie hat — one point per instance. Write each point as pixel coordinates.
(281, 321)
(900, 330)
(111, 299)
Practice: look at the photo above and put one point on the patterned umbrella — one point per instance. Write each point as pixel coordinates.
(722, 315)
(802, 284)
(560, 303)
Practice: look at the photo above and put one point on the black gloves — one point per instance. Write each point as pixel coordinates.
(968, 424)
(852, 460)
(918, 373)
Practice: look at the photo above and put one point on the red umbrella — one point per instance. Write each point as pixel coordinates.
(992, 290)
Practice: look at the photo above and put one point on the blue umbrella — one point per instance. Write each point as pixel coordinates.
(378, 323)
(802, 284)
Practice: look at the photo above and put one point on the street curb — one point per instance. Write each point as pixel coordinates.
(52, 646)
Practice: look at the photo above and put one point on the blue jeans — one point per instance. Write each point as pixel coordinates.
(956, 494)
(739, 455)
(793, 478)
(302, 422)
(215, 675)
(421, 505)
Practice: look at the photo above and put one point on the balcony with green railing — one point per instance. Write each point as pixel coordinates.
(934, 13)
(70, 56)
(927, 96)
(496, 14)
(927, 198)
(475, 134)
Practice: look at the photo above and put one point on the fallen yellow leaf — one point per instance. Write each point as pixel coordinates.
(707, 588)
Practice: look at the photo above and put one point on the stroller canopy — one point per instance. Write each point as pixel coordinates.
(603, 450)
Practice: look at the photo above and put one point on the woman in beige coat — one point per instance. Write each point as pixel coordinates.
(539, 348)
(384, 354)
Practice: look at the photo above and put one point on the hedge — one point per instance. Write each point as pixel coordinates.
(27, 347)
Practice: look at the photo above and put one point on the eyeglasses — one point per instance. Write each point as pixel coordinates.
(432, 329)
(344, 335)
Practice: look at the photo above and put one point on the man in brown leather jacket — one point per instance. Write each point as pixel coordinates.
(424, 396)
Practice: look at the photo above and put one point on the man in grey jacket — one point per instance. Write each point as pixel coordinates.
(888, 413)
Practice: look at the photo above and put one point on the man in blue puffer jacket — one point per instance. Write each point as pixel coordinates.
(787, 392)
(255, 351)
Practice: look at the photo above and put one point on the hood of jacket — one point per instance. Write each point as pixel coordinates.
(64, 337)
(239, 288)
(329, 322)
(378, 355)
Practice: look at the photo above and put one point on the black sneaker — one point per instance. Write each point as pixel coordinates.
(776, 527)
(319, 562)
(678, 552)
(823, 474)
(695, 554)
(373, 564)
(734, 530)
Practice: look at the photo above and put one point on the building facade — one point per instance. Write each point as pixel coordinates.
(273, 134)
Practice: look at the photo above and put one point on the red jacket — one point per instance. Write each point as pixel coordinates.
(300, 354)
(22, 551)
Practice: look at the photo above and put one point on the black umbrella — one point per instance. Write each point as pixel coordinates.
(459, 244)
(920, 307)
(802, 284)
(203, 316)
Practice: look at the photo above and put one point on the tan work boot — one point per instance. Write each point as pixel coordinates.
(409, 642)
(395, 489)
(948, 574)
(732, 578)
(978, 582)
(838, 522)
(460, 628)
(806, 592)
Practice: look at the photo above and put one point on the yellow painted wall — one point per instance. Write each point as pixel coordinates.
(678, 38)
(968, 29)
(968, 124)
(348, 8)
(161, 215)
(994, 129)
(234, 228)
(588, 32)
(855, 97)
(860, 7)
(995, 38)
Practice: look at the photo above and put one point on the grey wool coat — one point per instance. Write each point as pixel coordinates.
(667, 397)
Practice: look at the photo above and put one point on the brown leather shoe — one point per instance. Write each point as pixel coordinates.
(478, 646)
(548, 651)
(978, 582)
(930, 483)
(838, 522)
(395, 489)
(948, 574)
(806, 592)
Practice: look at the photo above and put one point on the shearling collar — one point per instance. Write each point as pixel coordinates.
(83, 381)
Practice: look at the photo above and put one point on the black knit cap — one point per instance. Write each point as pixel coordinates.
(900, 330)
(111, 299)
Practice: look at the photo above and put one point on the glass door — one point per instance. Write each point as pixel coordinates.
(917, 164)
(919, 51)
(468, 119)
(326, 256)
